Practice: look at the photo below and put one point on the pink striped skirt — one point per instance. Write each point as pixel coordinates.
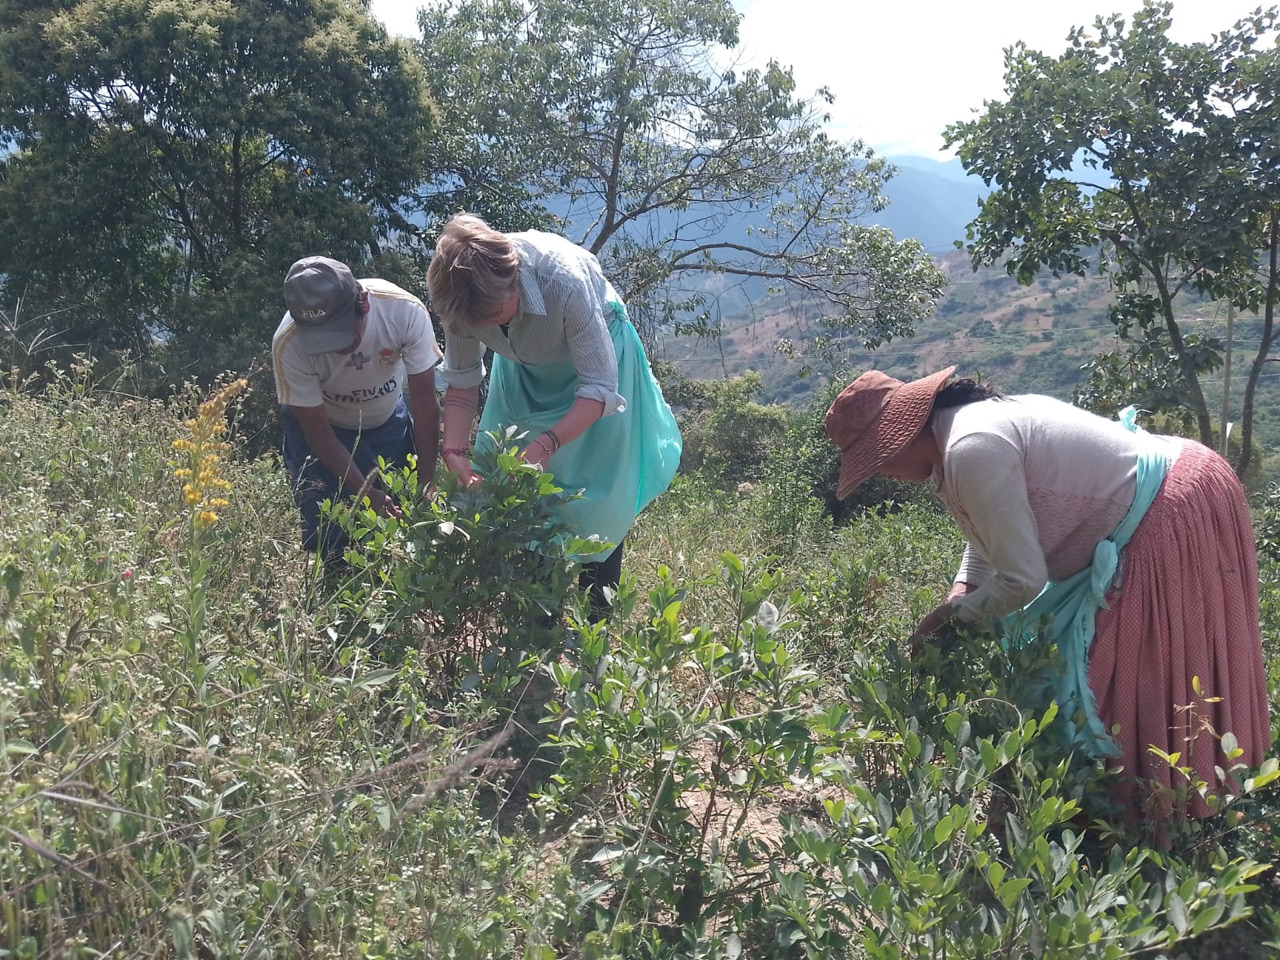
(1186, 607)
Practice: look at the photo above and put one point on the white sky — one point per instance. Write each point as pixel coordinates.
(901, 70)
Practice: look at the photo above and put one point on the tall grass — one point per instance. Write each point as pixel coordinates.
(203, 755)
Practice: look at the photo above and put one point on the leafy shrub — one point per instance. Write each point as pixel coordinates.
(744, 763)
(1267, 526)
(474, 580)
(725, 809)
(726, 432)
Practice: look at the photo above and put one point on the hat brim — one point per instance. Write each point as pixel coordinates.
(329, 337)
(901, 420)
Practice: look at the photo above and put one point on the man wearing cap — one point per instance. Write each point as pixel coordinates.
(342, 357)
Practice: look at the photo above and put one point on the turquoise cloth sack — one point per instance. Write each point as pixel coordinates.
(622, 462)
(1069, 609)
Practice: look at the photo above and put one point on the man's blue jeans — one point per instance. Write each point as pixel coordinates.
(312, 482)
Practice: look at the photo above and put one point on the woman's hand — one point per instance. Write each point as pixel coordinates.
(537, 454)
(936, 620)
(933, 623)
(939, 617)
(459, 464)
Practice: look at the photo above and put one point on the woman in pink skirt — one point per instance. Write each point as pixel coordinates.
(1132, 553)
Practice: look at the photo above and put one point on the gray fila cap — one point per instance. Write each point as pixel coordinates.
(322, 295)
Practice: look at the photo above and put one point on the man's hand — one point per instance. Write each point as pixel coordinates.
(383, 505)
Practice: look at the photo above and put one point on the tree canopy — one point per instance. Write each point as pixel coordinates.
(169, 160)
(1153, 161)
(683, 171)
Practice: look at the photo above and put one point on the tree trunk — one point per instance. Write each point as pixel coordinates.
(1264, 348)
(1203, 420)
(237, 193)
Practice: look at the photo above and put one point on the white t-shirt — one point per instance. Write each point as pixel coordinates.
(359, 389)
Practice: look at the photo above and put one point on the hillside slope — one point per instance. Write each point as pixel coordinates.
(1024, 338)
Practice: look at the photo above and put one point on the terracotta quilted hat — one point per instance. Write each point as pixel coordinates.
(874, 418)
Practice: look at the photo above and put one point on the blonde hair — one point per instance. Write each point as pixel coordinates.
(472, 273)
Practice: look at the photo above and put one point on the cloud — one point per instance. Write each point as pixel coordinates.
(902, 70)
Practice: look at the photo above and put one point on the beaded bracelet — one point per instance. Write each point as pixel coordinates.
(453, 452)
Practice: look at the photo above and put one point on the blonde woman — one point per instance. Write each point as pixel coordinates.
(568, 370)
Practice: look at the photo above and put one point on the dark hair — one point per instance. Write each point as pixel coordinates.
(959, 393)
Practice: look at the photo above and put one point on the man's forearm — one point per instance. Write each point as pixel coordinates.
(426, 434)
(337, 459)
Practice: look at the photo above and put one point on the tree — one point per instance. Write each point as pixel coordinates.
(1138, 151)
(679, 171)
(169, 160)
(1259, 287)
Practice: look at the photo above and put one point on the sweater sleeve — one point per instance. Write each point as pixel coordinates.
(973, 569)
(988, 480)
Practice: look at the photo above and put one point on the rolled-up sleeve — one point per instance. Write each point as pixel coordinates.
(591, 347)
(463, 362)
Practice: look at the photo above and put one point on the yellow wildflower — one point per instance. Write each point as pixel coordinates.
(202, 462)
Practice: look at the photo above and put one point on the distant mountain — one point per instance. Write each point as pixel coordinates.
(950, 169)
(932, 201)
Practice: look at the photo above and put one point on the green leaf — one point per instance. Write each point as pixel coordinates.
(990, 759)
(1207, 917)
(1177, 911)
(1230, 748)
(789, 934)
(11, 580)
(369, 681)
(1010, 890)
(943, 830)
(995, 874)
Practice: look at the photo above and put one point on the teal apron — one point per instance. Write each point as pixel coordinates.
(622, 461)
